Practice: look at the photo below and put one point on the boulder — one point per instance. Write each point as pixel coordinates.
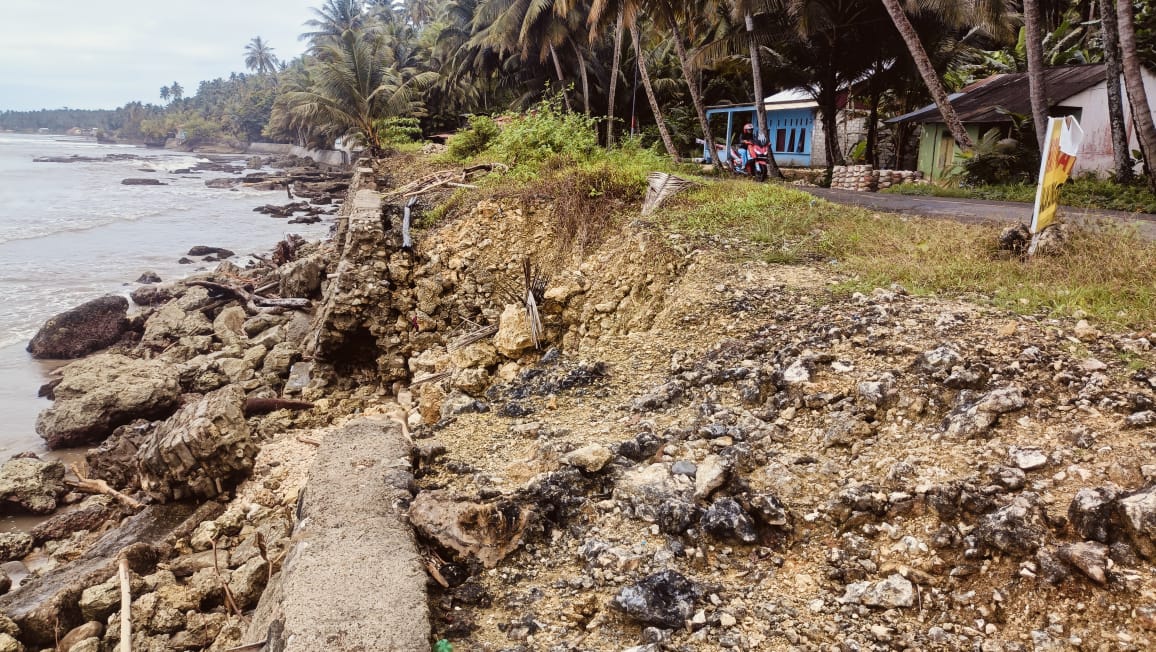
(14, 545)
(590, 458)
(229, 325)
(513, 336)
(149, 278)
(177, 319)
(202, 250)
(86, 328)
(91, 629)
(142, 182)
(1138, 513)
(202, 450)
(301, 278)
(895, 591)
(972, 418)
(31, 484)
(665, 599)
(151, 295)
(87, 517)
(97, 394)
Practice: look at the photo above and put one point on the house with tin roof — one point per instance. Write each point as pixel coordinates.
(1078, 91)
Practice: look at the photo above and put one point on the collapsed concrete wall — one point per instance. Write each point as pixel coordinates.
(326, 156)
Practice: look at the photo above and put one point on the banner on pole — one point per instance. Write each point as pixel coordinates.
(1057, 158)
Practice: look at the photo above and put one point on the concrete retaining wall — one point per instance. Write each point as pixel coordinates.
(326, 156)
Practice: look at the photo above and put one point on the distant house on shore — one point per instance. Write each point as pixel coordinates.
(796, 129)
(1079, 91)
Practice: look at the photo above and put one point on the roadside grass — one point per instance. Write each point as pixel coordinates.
(1106, 272)
(1081, 192)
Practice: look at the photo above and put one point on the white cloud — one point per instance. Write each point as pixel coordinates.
(94, 54)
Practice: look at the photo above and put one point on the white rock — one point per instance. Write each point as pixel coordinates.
(1028, 459)
(589, 458)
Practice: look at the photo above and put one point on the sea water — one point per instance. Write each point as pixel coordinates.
(71, 232)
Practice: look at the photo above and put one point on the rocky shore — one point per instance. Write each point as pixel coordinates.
(693, 450)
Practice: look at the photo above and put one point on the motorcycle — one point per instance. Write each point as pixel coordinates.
(757, 158)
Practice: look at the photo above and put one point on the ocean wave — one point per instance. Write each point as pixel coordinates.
(10, 339)
(48, 229)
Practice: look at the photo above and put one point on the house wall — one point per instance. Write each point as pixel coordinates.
(932, 141)
(787, 128)
(851, 126)
(1096, 154)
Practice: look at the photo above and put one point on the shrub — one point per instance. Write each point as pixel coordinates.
(397, 131)
(543, 131)
(475, 138)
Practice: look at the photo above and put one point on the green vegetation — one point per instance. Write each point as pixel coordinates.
(1106, 272)
(1081, 192)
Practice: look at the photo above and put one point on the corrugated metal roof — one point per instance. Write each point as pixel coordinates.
(980, 102)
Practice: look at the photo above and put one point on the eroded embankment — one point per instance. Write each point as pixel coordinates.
(704, 452)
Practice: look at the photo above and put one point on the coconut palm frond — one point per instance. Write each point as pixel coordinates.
(660, 187)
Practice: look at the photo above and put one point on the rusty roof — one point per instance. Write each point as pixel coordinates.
(981, 102)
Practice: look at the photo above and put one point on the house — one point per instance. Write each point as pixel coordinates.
(796, 129)
(1079, 91)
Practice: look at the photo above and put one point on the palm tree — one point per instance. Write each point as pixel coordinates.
(356, 80)
(645, 75)
(176, 91)
(259, 57)
(165, 94)
(745, 8)
(927, 72)
(1110, 35)
(1134, 82)
(332, 19)
(1037, 90)
(614, 78)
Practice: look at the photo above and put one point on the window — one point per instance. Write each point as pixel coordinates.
(781, 140)
(802, 139)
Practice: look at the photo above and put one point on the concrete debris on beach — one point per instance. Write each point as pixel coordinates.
(704, 452)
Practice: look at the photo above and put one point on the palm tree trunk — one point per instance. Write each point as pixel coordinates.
(614, 79)
(642, 72)
(688, 75)
(1134, 82)
(761, 106)
(829, 110)
(927, 72)
(582, 76)
(1121, 155)
(1037, 89)
(876, 93)
(561, 79)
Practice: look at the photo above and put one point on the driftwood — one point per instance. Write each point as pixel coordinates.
(406, 240)
(94, 486)
(248, 300)
(267, 405)
(451, 178)
(125, 607)
(475, 336)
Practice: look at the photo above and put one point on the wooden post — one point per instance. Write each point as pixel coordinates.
(125, 607)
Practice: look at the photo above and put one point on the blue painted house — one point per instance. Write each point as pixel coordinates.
(792, 119)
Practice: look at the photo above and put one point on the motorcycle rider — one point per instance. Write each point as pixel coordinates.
(745, 141)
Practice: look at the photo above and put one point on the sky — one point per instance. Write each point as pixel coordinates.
(100, 54)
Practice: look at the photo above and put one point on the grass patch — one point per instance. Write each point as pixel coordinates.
(1082, 192)
(1106, 272)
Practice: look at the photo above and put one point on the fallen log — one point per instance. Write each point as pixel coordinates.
(248, 300)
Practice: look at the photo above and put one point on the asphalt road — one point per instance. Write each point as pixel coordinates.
(978, 210)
